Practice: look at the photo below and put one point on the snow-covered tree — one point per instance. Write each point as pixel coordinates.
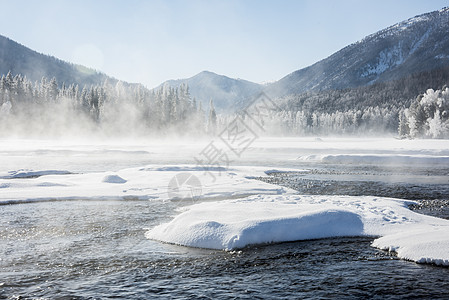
(212, 119)
(428, 115)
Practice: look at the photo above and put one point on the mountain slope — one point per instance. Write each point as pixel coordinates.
(19, 59)
(224, 91)
(415, 45)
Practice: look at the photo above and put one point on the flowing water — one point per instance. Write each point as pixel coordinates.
(87, 249)
(97, 249)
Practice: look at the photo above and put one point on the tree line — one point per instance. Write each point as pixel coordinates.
(382, 108)
(113, 109)
(47, 107)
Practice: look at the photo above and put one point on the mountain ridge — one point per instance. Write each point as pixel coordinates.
(19, 59)
(415, 45)
(388, 54)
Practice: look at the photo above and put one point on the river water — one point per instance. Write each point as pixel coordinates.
(97, 249)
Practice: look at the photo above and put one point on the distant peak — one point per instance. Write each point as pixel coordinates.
(205, 72)
(209, 74)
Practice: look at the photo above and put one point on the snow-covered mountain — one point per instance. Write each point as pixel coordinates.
(412, 46)
(19, 59)
(226, 92)
(415, 45)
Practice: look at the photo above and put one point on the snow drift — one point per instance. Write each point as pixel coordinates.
(235, 224)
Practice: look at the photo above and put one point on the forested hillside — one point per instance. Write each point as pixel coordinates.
(47, 108)
(374, 109)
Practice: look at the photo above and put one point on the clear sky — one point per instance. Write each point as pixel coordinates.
(153, 41)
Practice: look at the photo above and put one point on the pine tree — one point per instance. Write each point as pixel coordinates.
(404, 129)
(436, 127)
(9, 82)
(53, 91)
(212, 119)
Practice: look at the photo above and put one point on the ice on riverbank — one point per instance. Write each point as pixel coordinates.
(428, 245)
(377, 159)
(146, 183)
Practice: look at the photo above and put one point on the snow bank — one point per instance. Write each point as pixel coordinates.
(383, 159)
(30, 173)
(348, 150)
(241, 224)
(423, 246)
(144, 183)
(260, 219)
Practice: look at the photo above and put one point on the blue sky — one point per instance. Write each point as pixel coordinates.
(153, 41)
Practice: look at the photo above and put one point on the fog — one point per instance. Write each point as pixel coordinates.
(107, 111)
(118, 110)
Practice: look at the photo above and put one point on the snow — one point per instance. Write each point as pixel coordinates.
(442, 56)
(231, 208)
(113, 179)
(30, 173)
(230, 225)
(234, 224)
(386, 59)
(377, 159)
(420, 41)
(5, 108)
(429, 245)
(144, 183)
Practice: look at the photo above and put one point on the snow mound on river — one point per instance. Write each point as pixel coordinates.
(113, 179)
(234, 224)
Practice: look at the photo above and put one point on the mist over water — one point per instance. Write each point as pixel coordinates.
(50, 109)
